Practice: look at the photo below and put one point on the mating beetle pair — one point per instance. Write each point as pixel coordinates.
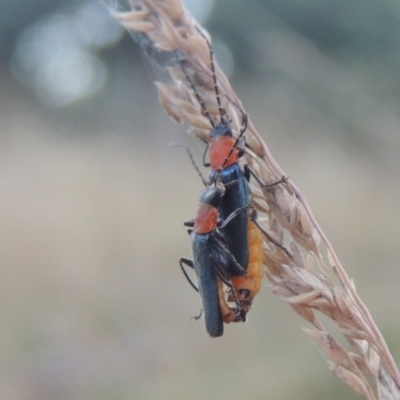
(226, 247)
(226, 242)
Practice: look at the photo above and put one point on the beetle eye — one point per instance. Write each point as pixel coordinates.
(244, 293)
(212, 195)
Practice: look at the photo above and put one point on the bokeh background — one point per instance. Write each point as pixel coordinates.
(93, 304)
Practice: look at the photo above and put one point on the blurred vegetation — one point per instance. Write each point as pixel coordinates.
(94, 305)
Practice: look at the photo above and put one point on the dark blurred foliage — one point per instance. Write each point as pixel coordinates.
(363, 37)
(15, 16)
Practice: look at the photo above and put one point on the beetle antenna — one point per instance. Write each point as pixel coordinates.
(201, 102)
(192, 160)
(222, 112)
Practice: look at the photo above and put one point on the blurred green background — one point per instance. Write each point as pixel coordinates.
(93, 303)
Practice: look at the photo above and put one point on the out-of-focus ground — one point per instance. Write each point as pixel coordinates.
(93, 304)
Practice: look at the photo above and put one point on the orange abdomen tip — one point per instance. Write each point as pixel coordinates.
(219, 150)
(206, 219)
(228, 314)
